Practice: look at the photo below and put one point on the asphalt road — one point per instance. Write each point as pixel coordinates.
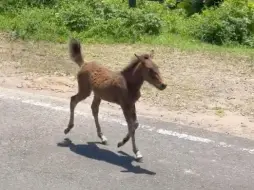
(175, 157)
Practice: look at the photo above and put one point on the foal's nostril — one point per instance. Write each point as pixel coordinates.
(163, 86)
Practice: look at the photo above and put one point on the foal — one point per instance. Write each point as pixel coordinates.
(122, 88)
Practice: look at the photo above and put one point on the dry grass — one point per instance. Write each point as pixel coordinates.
(198, 82)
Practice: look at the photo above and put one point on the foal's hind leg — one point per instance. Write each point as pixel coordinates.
(95, 109)
(73, 103)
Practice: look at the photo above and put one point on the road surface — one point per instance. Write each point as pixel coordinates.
(175, 157)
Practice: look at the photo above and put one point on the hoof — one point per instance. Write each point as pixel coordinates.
(140, 160)
(67, 130)
(65, 143)
(104, 140)
(139, 156)
(119, 144)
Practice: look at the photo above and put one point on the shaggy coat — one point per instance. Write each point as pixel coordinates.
(122, 88)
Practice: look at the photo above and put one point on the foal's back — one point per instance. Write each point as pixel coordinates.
(107, 84)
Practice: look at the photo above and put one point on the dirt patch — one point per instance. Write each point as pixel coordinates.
(205, 90)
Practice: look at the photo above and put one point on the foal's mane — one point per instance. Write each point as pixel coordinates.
(133, 63)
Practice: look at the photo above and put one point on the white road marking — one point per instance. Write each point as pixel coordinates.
(123, 123)
(190, 172)
(184, 136)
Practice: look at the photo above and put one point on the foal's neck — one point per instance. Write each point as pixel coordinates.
(133, 77)
(134, 81)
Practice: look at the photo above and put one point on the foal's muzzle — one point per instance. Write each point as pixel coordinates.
(162, 86)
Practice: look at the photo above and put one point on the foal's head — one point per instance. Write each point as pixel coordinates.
(150, 70)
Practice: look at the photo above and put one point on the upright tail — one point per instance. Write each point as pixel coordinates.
(75, 52)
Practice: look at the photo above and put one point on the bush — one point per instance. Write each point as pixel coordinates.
(93, 18)
(87, 18)
(128, 25)
(196, 6)
(191, 6)
(37, 23)
(76, 17)
(12, 5)
(112, 20)
(232, 22)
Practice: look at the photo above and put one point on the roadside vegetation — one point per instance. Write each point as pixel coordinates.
(190, 25)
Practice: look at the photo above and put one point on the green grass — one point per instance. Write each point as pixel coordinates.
(190, 44)
(59, 23)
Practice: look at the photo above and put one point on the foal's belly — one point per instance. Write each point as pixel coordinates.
(109, 87)
(110, 94)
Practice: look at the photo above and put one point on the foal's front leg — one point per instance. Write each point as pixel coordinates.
(134, 146)
(130, 117)
(134, 117)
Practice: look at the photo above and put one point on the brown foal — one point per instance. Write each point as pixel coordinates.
(122, 88)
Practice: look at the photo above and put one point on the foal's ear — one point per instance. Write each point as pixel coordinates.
(141, 59)
(136, 55)
(152, 53)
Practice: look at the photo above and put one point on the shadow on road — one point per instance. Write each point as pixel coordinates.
(91, 150)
